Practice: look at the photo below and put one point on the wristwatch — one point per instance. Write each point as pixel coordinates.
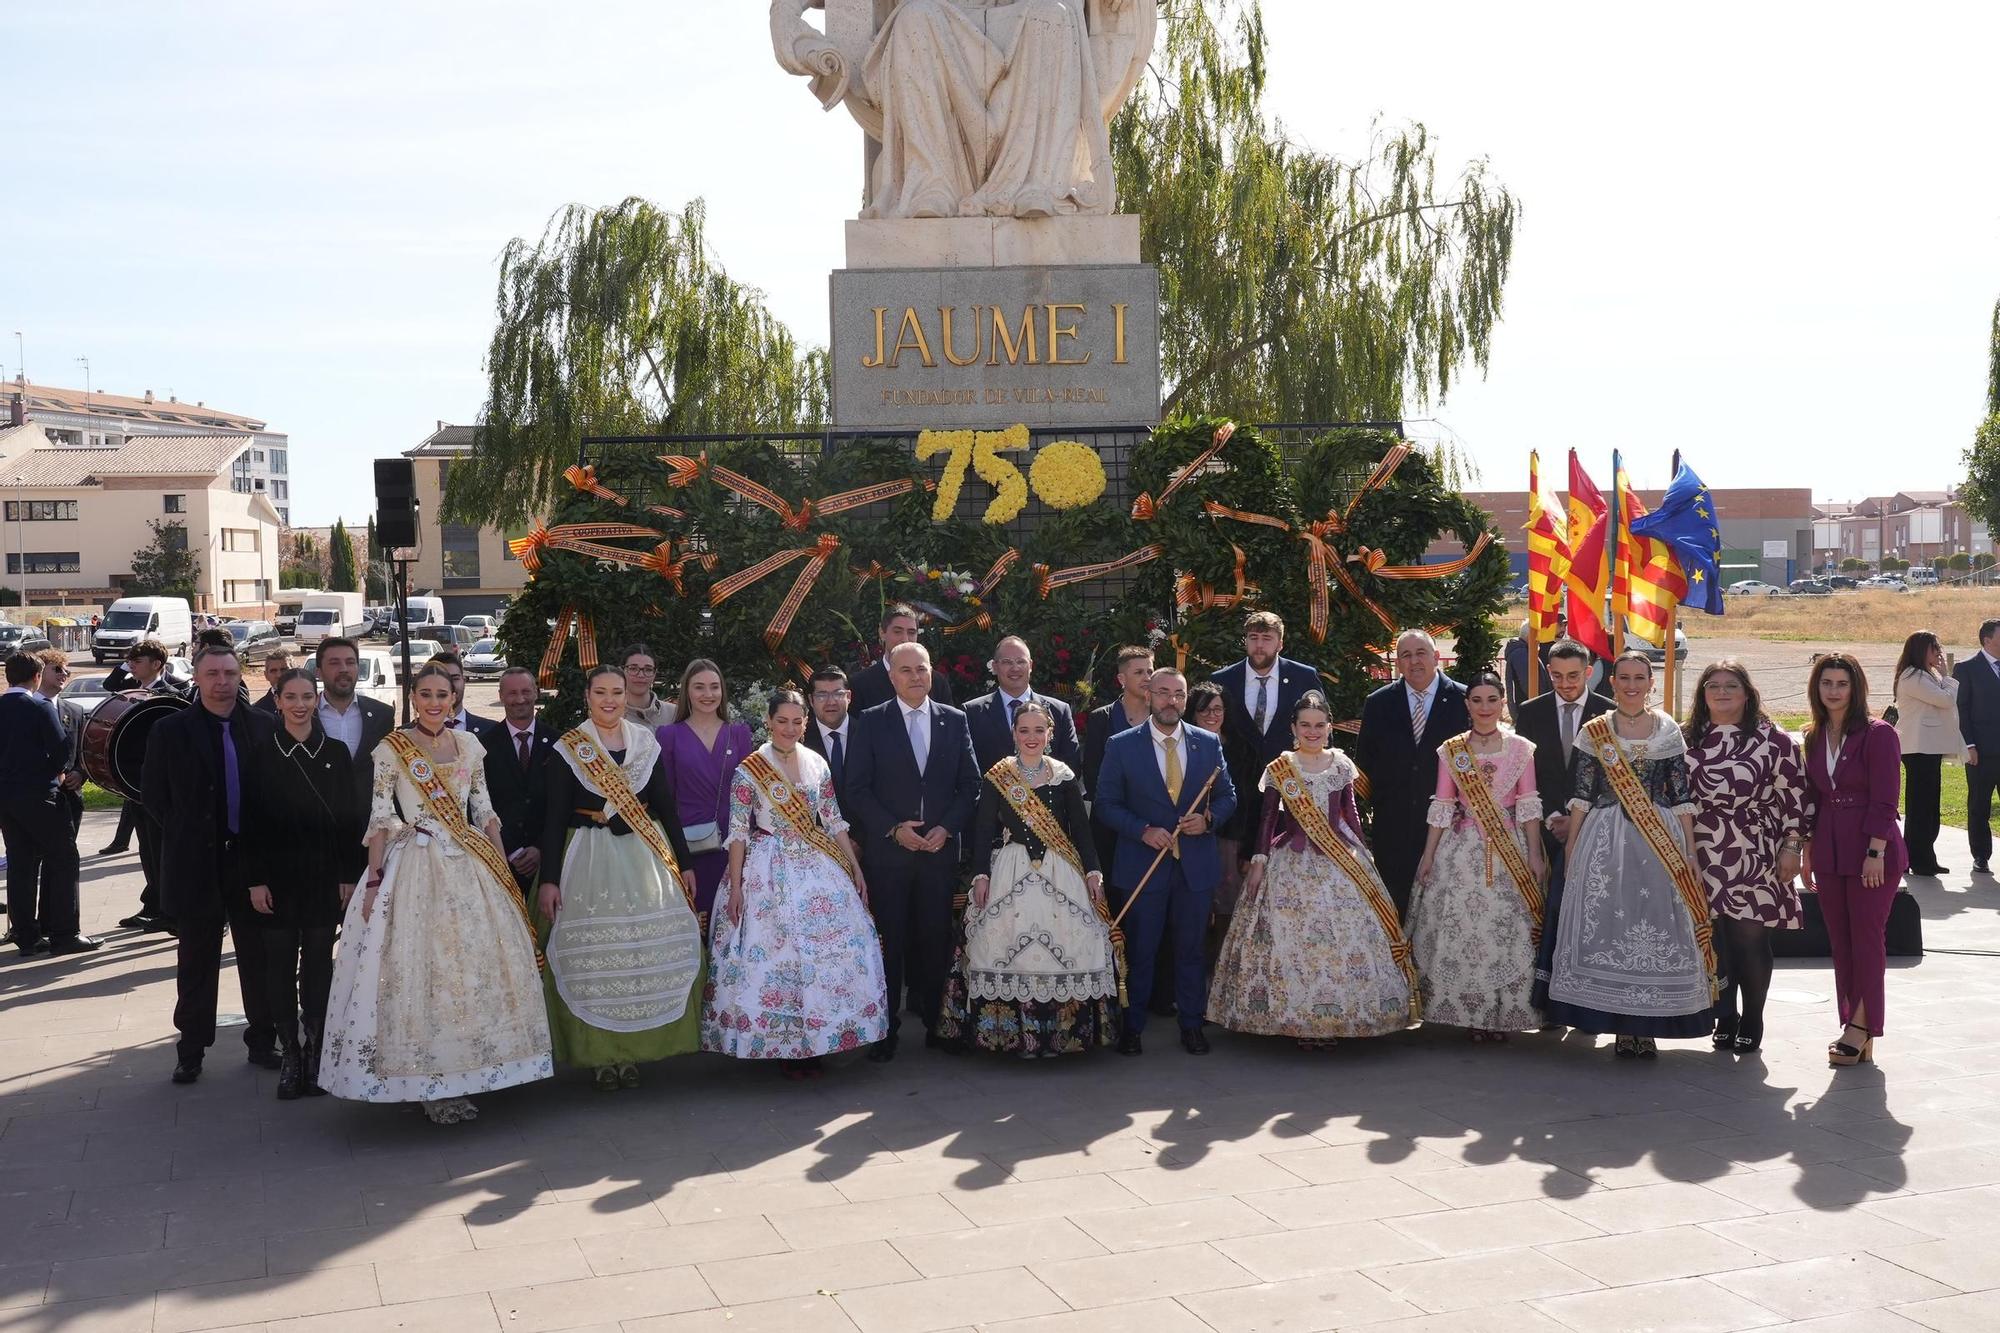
(1874, 854)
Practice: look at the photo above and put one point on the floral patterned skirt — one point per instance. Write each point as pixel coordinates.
(1306, 958)
(435, 995)
(801, 974)
(1473, 939)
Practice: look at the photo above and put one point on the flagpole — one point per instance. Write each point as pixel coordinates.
(1670, 689)
(1611, 545)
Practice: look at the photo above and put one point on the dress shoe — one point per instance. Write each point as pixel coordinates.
(113, 849)
(1129, 1044)
(74, 944)
(1979, 868)
(136, 921)
(29, 947)
(187, 1071)
(1193, 1042)
(883, 1051)
(264, 1059)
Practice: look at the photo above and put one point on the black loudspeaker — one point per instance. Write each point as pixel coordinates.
(395, 503)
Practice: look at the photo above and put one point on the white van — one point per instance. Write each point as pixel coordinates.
(130, 620)
(425, 611)
(330, 613)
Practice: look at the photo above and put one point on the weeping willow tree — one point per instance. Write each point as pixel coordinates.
(1981, 493)
(1299, 286)
(620, 321)
(1295, 286)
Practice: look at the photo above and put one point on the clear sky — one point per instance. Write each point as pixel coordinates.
(1768, 234)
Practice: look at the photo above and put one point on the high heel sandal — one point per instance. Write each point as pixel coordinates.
(1750, 1036)
(1724, 1036)
(1840, 1055)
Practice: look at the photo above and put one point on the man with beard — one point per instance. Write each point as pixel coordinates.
(354, 720)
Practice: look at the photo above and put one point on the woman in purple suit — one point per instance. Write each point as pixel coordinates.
(1855, 858)
(700, 750)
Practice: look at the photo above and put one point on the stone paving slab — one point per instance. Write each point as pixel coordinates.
(1414, 1183)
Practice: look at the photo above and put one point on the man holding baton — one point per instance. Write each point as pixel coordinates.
(1163, 789)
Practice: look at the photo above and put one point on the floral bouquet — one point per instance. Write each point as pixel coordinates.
(947, 596)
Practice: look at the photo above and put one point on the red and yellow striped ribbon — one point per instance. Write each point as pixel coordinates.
(1145, 507)
(1047, 580)
(816, 556)
(673, 568)
(579, 537)
(583, 476)
(998, 570)
(683, 471)
(586, 645)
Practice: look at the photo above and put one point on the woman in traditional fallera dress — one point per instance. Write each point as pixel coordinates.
(796, 968)
(623, 982)
(1632, 953)
(435, 992)
(1314, 951)
(1477, 906)
(1749, 788)
(1037, 974)
(700, 750)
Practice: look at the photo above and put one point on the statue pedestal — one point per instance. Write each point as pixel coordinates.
(875, 243)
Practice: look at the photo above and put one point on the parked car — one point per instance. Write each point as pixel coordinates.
(254, 639)
(421, 651)
(481, 626)
(485, 661)
(1842, 582)
(451, 636)
(1660, 654)
(1754, 588)
(1886, 583)
(1811, 587)
(86, 692)
(1921, 576)
(21, 639)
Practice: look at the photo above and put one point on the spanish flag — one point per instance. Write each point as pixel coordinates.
(1587, 575)
(1548, 554)
(1648, 582)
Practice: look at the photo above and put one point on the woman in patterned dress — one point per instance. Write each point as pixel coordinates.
(1471, 927)
(1036, 975)
(435, 994)
(1306, 956)
(795, 970)
(1749, 792)
(1628, 960)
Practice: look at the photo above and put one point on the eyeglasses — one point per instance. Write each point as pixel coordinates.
(828, 697)
(642, 671)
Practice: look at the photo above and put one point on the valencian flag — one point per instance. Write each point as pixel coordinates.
(1648, 583)
(1548, 554)
(1686, 522)
(1587, 576)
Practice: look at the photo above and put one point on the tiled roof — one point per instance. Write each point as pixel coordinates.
(142, 456)
(448, 441)
(48, 398)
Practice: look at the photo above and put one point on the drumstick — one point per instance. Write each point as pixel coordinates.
(1199, 797)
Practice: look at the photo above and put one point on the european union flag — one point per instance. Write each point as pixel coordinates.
(1686, 520)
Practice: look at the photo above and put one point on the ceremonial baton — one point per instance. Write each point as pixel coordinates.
(1199, 798)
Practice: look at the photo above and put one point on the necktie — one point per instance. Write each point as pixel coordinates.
(521, 747)
(836, 756)
(1012, 704)
(1173, 767)
(1263, 702)
(1568, 729)
(450, 724)
(1418, 714)
(920, 739)
(232, 782)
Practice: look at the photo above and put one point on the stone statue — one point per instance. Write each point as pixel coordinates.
(976, 108)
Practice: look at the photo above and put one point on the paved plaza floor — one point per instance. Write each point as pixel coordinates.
(1408, 1183)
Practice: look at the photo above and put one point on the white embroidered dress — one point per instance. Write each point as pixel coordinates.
(436, 994)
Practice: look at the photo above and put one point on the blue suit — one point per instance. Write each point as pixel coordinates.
(1131, 797)
(993, 739)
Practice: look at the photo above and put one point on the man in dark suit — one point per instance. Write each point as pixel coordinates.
(831, 734)
(1130, 709)
(1402, 725)
(1979, 725)
(912, 783)
(871, 687)
(1258, 692)
(354, 720)
(1553, 720)
(519, 751)
(42, 909)
(199, 765)
(991, 716)
(146, 669)
(1149, 791)
(276, 664)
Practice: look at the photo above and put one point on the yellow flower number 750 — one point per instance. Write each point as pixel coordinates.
(1069, 480)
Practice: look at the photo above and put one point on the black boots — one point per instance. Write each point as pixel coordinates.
(311, 1060)
(291, 1072)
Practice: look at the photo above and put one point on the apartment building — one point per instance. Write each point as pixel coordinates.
(471, 568)
(1917, 526)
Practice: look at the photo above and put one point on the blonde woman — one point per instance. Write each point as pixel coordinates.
(1926, 700)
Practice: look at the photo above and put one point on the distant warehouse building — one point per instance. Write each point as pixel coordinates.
(1766, 533)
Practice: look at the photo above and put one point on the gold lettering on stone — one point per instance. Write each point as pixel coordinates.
(1002, 336)
(911, 336)
(945, 314)
(1057, 332)
(881, 338)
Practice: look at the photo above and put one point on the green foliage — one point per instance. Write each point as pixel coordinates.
(1983, 560)
(1893, 565)
(1297, 285)
(340, 572)
(164, 567)
(1980, 492)
(1959, 562)
(619, 321)
(1851, 564)
(294, 576)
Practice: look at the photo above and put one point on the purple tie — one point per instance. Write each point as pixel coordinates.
(232, 784)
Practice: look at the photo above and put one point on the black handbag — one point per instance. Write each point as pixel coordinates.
(1904, 935)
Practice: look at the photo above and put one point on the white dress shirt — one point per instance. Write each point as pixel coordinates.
(826, 735)
(344, 727)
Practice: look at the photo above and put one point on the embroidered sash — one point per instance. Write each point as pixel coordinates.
(1479, 799)
(618, 794)
(1008, 779)
(1311, 817)
(790, 802)
(1652, 826)
(445, 807)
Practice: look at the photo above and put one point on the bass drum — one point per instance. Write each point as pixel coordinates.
(115, 734)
